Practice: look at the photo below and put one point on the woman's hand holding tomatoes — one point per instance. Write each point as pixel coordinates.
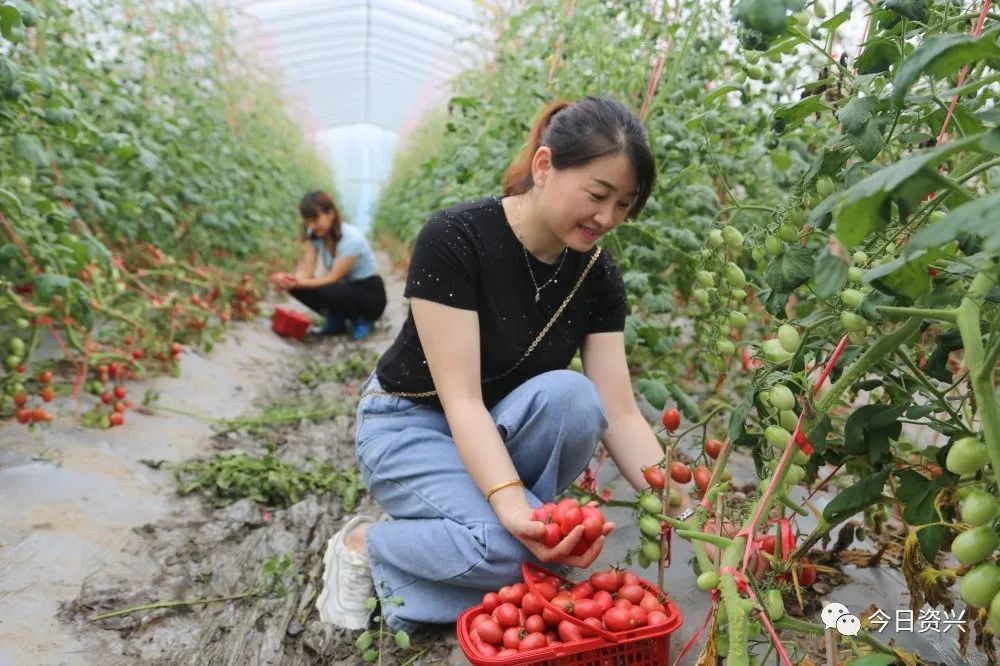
(566, 533)
(284, 281)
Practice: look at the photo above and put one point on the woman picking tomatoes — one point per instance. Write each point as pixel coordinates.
(471, 420)
(336, 274)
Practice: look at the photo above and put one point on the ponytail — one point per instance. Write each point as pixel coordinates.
(580, 132)
(518, 179)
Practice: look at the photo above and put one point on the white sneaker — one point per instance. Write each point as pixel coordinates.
(347, 582)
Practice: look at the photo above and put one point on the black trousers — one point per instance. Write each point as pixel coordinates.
(358, 298)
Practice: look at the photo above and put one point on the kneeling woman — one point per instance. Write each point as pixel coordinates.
(347, 288)
(472, 417)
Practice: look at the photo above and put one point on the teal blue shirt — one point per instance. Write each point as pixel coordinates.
(352, 244)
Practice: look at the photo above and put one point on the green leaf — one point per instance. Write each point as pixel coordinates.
(28, 147)
(837, 20)
(721, 91)
(402, 640)
(868, 141)
(879, 55)
(369, 656)
(371, 603)
(906, 275)
(654, 391)
(788, 116)
(9, 18)
(9, 202)
(917, 494)
(870, 427)
(790, 270)
(857, 497)
(830, 274)
(688, 407)
(856, 113)
(866, 205)
(817, 436)
(48, 284)
(364, 641)
(738, 419)
(941, 55)
(972, 218)
(915, 10)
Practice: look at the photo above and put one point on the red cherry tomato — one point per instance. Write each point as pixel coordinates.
(490, 601)
(713, 448)
(477, 620)
(671, 419)
(650, 604)
(807, 575)
(547, 590)
(680, 472)
(585, 608)
(571, 518)
(618, 619)
(654, 477)
(656, 618)
(569, 632)
(531, 604)
(24, 416)
(604, 599)
(490, 632)
(552, 536)
(512, 638)
(45, 377)
(116, 419)
(120, 392)
(609, 581)
(629, 578)
(507, 615)
(702, 476)
(47, 394)
(534, 624)
(633, 593)
(533, 641)
(582, 590)
(592, 528)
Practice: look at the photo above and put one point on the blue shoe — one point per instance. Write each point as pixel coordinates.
(362, 328)
(335, 325)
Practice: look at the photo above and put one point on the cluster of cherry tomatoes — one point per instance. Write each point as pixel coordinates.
(561, 518)
(520, 618)
(26, 415)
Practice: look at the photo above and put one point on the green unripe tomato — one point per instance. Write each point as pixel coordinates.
(675, 496)
(995, 614)
(700, 297)
(12, 361)
(754, 72)
(979, 586)
(967, 456)
(738, 295)
(860, 258)
(802, 18)
(740, 78)
(795, 474)
(650, 526)
(774, 604)
(16, 346)
(650, 503)
(937, 216)
(777, 436)
(705, 278)
(737, 320)
(651, 549)
(852, 297)
(773, 246)
(854, 274)
(715, 238)
(643, 560)
(725, 347)
(751, 57)
(788, 233)
(781, 397)
(788, 338)
(708, 581)
(979, 508)
(975, 545)
(705, 253)
(22, 323)
(852, 322)
(734, 276)
(824, 186)
(733, 237)
(788, 419)
(23, 184)
(819, 10)
(774, 352)
(757, 255)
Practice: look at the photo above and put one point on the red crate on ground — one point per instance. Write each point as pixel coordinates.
(645, 646)
(290, 323)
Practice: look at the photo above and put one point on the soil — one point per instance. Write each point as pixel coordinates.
(98, 526)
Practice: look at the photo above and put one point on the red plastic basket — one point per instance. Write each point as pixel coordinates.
(290, 323)
(645, 646)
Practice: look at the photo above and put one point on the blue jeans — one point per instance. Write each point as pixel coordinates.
(445, 547)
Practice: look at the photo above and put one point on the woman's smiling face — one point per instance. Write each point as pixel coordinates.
(581, 204)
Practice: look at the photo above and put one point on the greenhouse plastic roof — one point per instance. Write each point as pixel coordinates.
(360, 73)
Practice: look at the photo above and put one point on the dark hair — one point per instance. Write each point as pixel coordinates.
(578, 133)
(310, 207)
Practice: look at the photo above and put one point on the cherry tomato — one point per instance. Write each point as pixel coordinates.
(584, 608)
(807, 576)
(107, 397)
(120, 407)
(569, 632)
(490, 632)
(47, 394)
(552, 536)
(490, 601)
(654, 477)
(483, 648)
(975, 545)
(477, 620)
(24, 416)
(671, 419)
(20, 399)
(617, 619)
(608, 581)
(633, 593)
(546, 589)
(656, 618)
(507, 615)
(702, 476)
(604, 599)
(116, 419)
(45, 377)
(571, 518)
(713, 448)
(592, 528)
(534, 623)
(120, 392)
(629, 578)
(680, 472)
(582, 590)
(512, 638)
(533, 641)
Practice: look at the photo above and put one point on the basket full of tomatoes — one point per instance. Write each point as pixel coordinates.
(548, 620)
